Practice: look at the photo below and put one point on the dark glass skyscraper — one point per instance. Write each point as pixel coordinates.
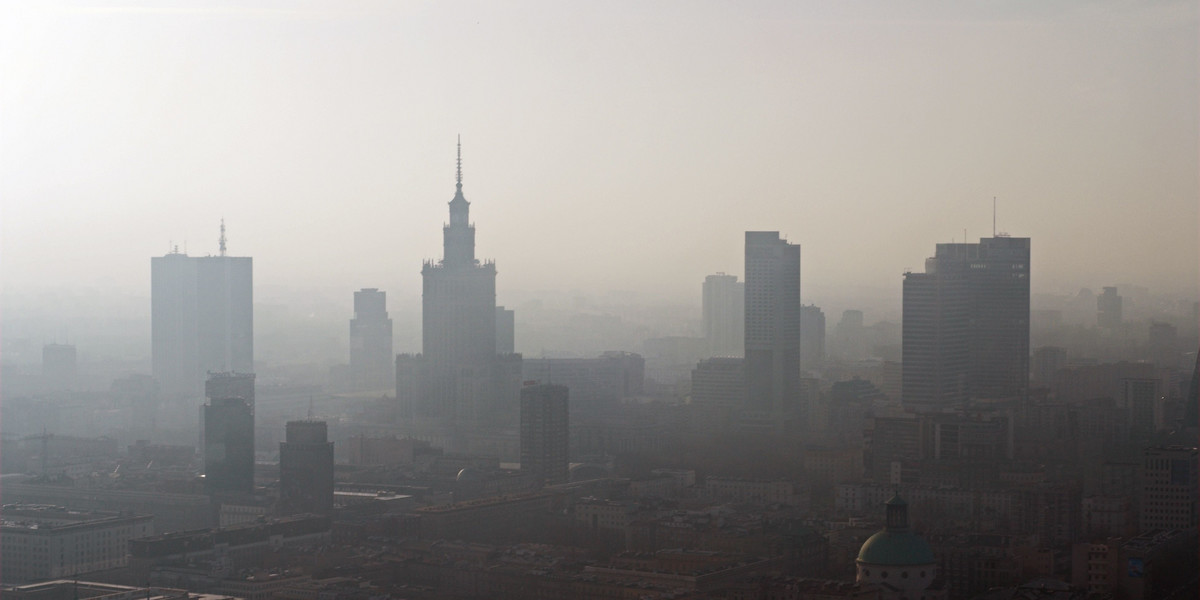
(772, 327)
(994, 279)
(306, 469)
(545, 427)
(228, 446)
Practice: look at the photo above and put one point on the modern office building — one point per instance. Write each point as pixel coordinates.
(545, 426)
(936, 337)
(201, 319)
(228, 446)
(723, 303)
(772, 323)
(306, 469)
(812, 337)
(1169, 483)
(994, 275)
(372, 362)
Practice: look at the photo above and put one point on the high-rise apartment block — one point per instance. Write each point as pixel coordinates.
(201, 319)
(545, 428)
(772, 323)
(371, 360)
(228, 446)
(977, 292)
(306, 469)
(723, 303)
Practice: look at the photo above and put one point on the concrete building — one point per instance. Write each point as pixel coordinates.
(812, 338)
(995, 273)
(719, 382)
(936, 338)
(201, 319)
(459, 383)
(597, 384)
(723, 304)
(228, 446)
(1168, 480)
(372, 363)
(306, 469)
(1108, 309)
(772, 346)
(47, 542)
(545, 429)
(506, 331)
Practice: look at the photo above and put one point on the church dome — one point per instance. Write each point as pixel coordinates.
(896, 548)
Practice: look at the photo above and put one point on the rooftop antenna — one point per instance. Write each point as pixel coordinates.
(458, 175)
(993, 216)
(221, 244)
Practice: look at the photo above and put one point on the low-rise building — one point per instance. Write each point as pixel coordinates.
(50, 542)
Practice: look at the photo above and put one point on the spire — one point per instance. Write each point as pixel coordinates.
(458, 177)
(222, 241)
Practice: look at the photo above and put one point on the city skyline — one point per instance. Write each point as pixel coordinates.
(872, 129)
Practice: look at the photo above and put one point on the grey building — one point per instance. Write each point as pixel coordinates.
(201, 319)
(597, 384)
(228, 446)
(812, 337)
(723, 304)
(1108, 309)
(371, 358)
(506, 326)
(772, 323)
(995, 276)
(545, 428)
(936, 337)
(306, 469)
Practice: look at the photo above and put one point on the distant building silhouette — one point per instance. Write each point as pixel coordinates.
(505, 331)
(459, 383)
(201, 319)
(228, 446)
(597, 384)
(723, 303)
(306, 469)
(992, 277)
(1163, 344)
(772, 323)
(812, 337)
(850, 336)
(545, 428)
(719, 381)
(60, 367)
(230, 385)
(372, 362)
(1108, 309)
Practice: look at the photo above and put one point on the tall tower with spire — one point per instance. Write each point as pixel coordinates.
(458, 383)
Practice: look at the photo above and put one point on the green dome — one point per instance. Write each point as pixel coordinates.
(896, 548)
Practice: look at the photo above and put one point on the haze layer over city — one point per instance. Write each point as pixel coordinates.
(767, 264)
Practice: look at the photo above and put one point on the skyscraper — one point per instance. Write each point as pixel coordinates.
(371, 358)
(545, 427)
(459, 380)
(812, 337)
(724, 315)
(228, 446)
(201, 319)
(772, 323)
(306, 469)
(936, 337)
(994, 275)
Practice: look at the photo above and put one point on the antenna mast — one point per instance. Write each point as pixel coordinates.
(221, 243)
(458, 175)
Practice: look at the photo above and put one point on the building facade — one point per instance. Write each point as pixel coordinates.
(201, 319)
(47, 542)
(545, 429)
(723, 304)
(228, 446)
(772, 323)
(306, 469)
(372, 362)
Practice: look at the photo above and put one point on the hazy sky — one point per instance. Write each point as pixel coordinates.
(606, 145)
